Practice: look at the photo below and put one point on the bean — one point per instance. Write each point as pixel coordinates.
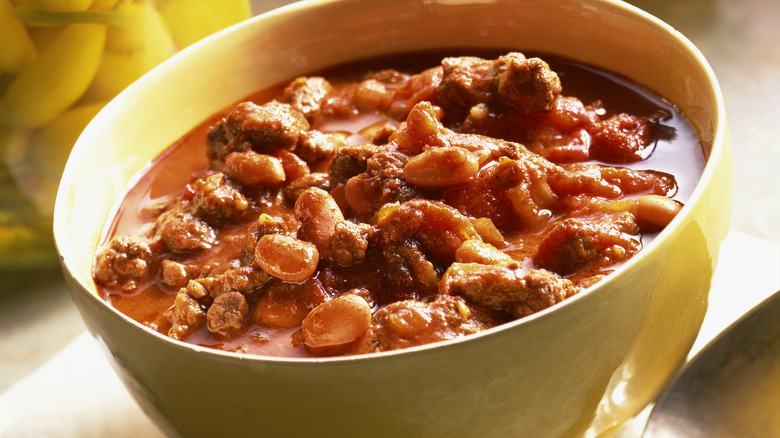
(339, 321)
(286, 258)
(359, 199)
(371, 94)
(318, 214)
(294, 167)
(441, 167)
(252, 169)
(656, 210)
(476, 251)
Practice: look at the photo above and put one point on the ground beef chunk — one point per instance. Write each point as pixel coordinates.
(350, 161)
(247, 280)
(180, 231)
(125, 263)
(227, 314)
(307, 95)
(507, 286)
(410, 323)
(216, 199)
(350, 242)
(262, 128)
(575, 244)
(525, 84)
(408, 271)
(186, 315)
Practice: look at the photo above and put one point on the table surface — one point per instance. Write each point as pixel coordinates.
(740, 39)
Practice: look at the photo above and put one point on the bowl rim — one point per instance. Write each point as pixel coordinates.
(717, 150)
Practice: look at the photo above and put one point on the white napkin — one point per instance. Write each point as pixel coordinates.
(76, 394)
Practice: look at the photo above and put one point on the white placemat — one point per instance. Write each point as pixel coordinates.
(77, 394)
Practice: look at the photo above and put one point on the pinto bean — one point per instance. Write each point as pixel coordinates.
(186, 315)
(252, 169)
(441, 167)
(286, 258)
(339, 321)
(656, 210)
(318, 214)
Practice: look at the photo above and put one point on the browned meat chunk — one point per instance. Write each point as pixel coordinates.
(576, 245)
(262, 128)
(216, 199)
(227, 314)
(525, 84)
(183, 232)
(307, 95)
(246, 280)
(409, 323)
(127, 262)
(466, 81)
(508, 286)
(408, 269)
(350, 242)
(350, 161)
(186, 315)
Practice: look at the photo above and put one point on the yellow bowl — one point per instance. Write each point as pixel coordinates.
(578, 369)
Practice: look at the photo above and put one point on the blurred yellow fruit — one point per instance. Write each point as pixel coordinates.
(192, 20)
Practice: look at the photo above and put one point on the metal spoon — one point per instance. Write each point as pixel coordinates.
(731, 388)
